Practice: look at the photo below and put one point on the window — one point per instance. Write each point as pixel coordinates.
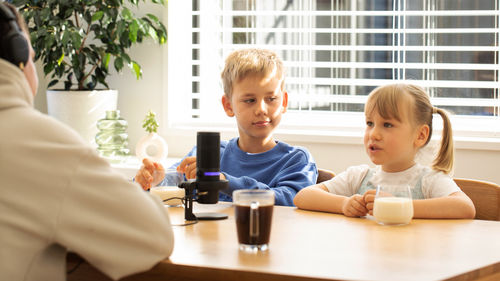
(336, 52)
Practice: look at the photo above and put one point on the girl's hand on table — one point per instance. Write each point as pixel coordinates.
(354, 206)
(369, 198)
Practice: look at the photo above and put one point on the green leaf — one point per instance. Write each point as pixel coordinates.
(126, 58)
(49, 41)
(153, 17)
(162, 33)
(65, 37)
(120, 28)
(60, 59)
(52, 83)
(97, 16)
(107, 56)
(45, 13)
(150, 123)
(134, 28)
(86, 15)
(91, 85)
(41, 32)
(48, 68)
(67, 85)
(118, 64)
(127, 14)
(76, 40)
(152, 33)
(143, 26)
(136, 69)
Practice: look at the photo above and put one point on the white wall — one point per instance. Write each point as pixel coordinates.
(136, 97)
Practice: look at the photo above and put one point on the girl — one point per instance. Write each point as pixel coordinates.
(398, 124)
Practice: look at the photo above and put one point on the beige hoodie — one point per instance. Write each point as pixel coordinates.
(57, 194)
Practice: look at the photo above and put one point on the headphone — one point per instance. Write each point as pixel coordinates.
(14, 47)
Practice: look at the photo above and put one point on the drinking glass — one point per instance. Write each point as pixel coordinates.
(253, 214)
(393, 205)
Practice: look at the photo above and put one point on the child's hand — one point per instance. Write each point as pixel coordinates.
(354, 206)
(150, 174)
(369, 198)
(188, 167)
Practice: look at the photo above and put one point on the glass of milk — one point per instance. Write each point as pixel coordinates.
(393, 205)
(169, 192)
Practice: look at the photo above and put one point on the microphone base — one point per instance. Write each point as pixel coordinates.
(210, 216)
(205, 198)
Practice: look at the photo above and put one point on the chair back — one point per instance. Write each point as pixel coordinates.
(324, 175)
(484, 195)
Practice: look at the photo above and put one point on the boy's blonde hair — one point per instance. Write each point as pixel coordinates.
(391, 100)
(246, 62)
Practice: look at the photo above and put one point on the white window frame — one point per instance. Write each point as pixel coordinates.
(473, 132)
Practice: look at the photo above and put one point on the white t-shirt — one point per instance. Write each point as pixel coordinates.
(434, 184)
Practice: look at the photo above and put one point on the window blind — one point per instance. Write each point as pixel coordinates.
(337, 51)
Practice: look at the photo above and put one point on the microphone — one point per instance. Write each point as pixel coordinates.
(208, 167)
(208, 182)
(207, 156)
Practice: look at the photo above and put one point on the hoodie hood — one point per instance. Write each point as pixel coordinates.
(14, 88)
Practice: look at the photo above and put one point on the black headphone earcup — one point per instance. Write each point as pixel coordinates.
(16, 48)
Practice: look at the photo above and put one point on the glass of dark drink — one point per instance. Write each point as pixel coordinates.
(253, 210)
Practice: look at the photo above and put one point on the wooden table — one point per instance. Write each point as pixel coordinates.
(319, 246)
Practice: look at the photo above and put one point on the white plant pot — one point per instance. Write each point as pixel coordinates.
(81, 109)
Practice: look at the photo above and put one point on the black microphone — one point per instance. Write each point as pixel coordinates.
(207, 156)
(208, 183)
(208, 167)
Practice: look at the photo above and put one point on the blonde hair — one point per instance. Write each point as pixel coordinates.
(388, 100)
(246, 62)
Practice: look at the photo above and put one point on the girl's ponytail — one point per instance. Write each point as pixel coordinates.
(445, 157)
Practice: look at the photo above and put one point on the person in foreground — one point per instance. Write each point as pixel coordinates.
(398, 124)
(57, 194)
(254, 93)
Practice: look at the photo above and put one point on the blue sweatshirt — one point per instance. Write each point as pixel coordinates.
(284, 169)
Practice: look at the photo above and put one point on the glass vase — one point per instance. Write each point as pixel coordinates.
(112, 138)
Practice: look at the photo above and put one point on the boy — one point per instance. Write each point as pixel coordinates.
(254, 93)
(57, 193)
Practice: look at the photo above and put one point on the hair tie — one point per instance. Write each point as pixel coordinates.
(434, 109)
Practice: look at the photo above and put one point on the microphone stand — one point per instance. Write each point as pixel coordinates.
(208, 193)
(188, 202)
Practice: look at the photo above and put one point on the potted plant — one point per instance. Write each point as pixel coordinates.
(77, 42)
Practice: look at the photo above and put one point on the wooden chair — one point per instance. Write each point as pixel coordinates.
(484, 195)
(324, 175)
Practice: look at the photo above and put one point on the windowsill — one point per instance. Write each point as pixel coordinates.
(470, 132)
(329, 136)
